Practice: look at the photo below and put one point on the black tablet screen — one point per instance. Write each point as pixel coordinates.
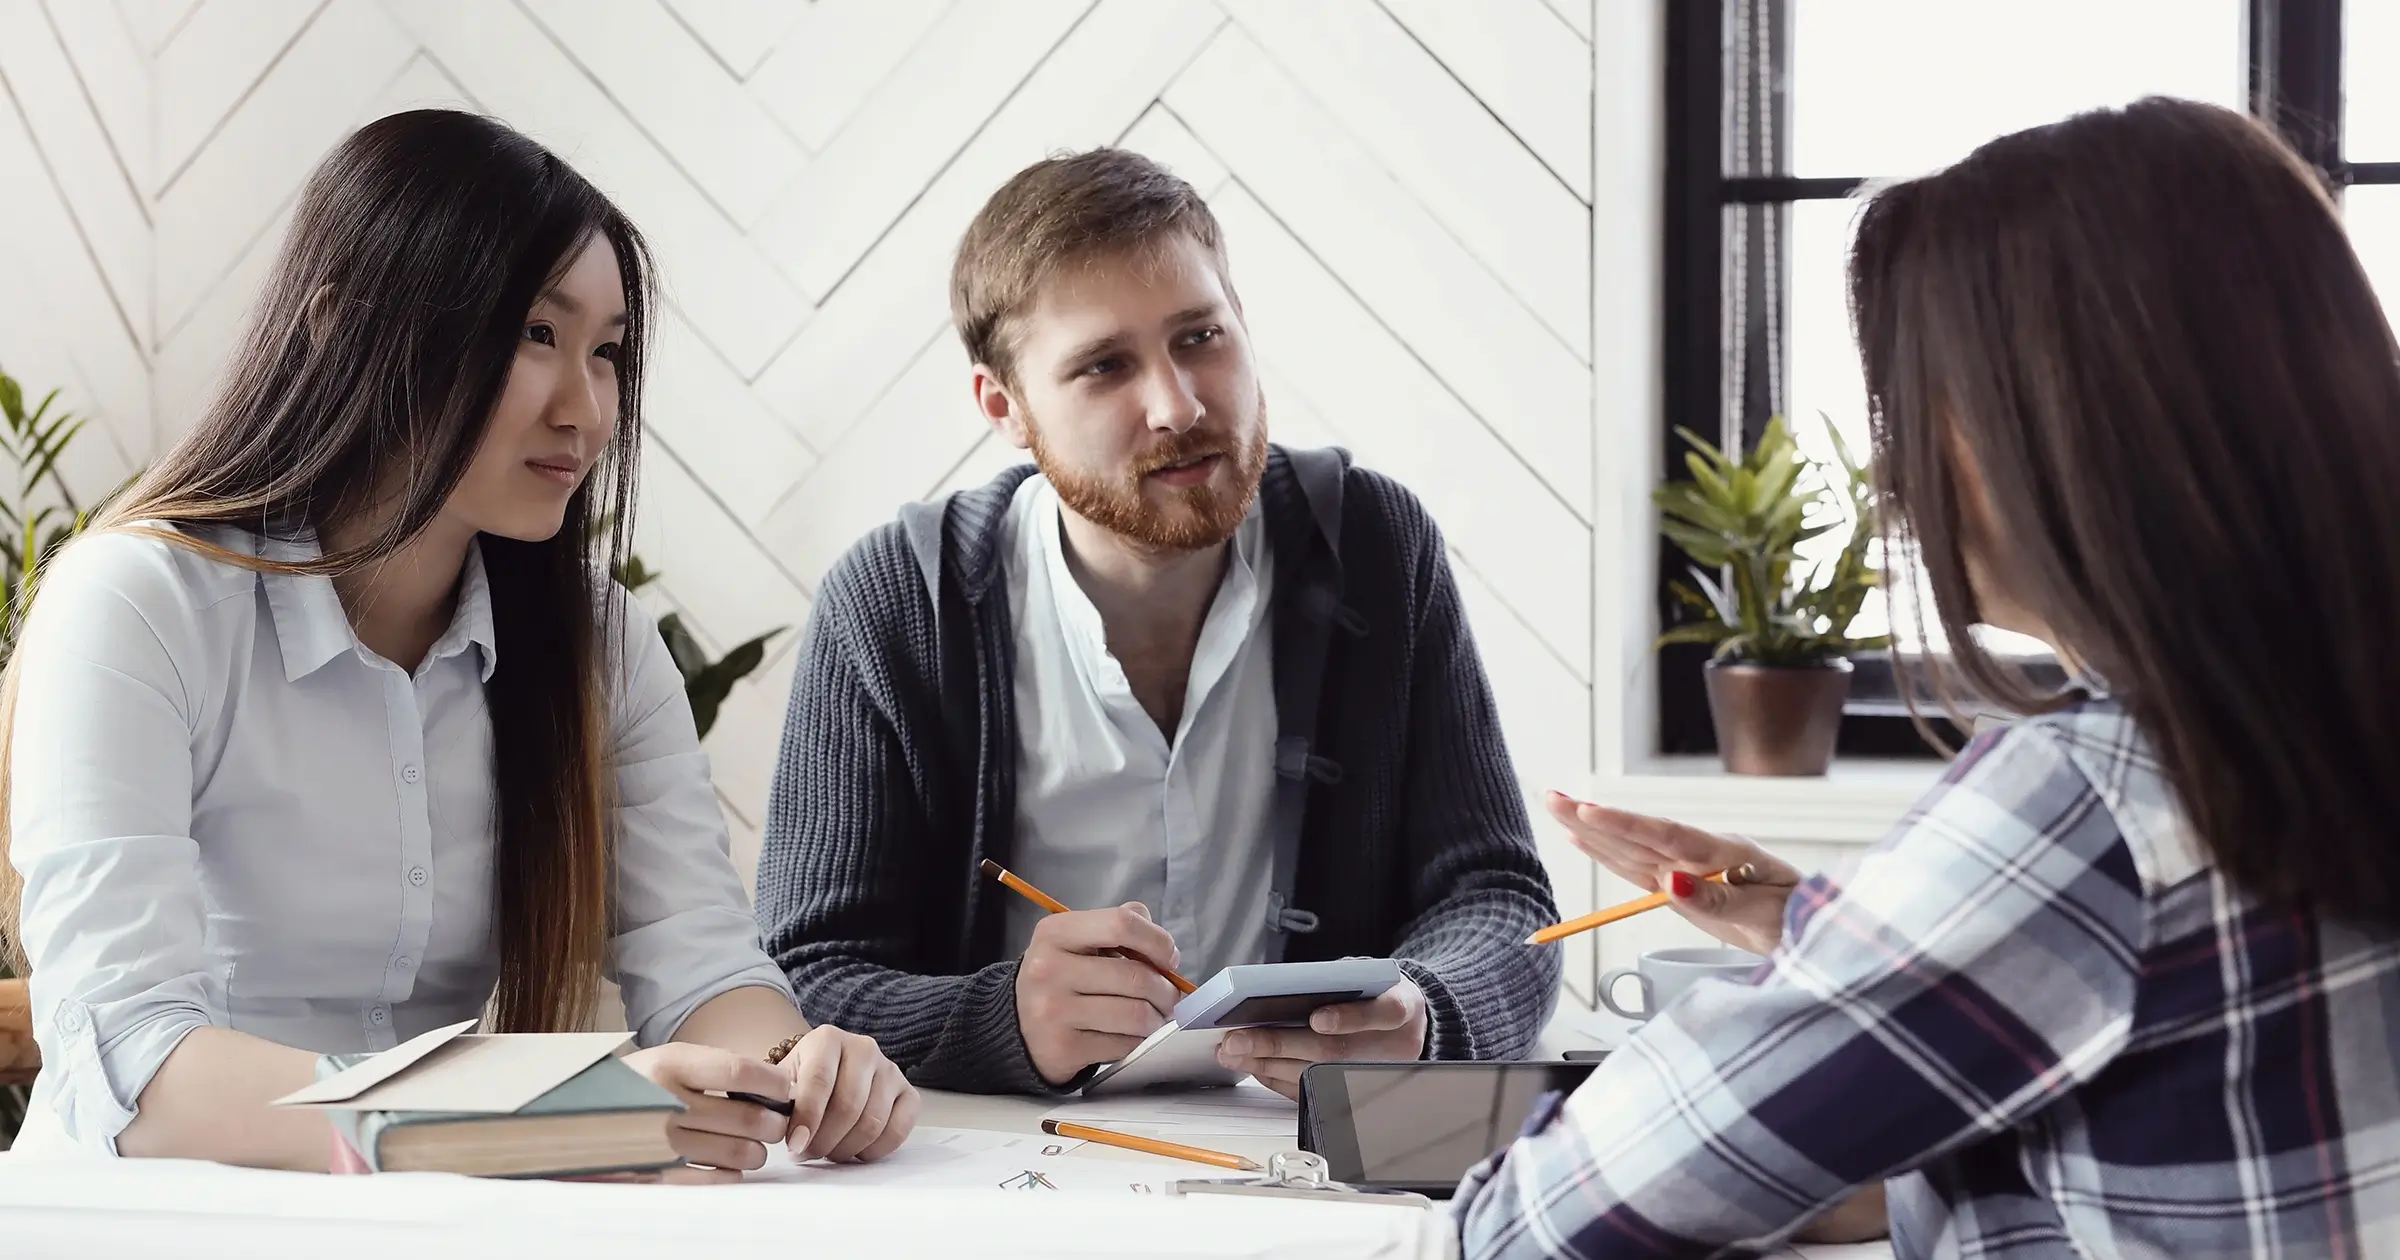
(1423, 1125)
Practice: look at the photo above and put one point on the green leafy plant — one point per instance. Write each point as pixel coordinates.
(38, 514)
(706, 683)
(1743, 521)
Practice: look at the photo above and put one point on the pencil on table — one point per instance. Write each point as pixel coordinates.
(1149, 1146)
(1744, 874)
(1055, 906)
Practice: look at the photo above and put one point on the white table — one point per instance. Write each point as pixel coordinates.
(1024, 1115)
(164, 1207)
(1570, 1029)
(132, 1207)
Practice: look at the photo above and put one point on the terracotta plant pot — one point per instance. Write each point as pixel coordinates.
(1777, 721)
(19, 1057)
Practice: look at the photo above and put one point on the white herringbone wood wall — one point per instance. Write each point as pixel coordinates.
(1406, 186)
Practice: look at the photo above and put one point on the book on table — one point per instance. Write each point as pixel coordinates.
(503, 1105)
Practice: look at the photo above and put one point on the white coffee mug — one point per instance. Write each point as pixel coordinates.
(1664, 974)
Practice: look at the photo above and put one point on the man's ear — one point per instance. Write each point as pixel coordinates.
(999, 407)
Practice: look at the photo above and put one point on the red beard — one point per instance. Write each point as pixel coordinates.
(1201, 516)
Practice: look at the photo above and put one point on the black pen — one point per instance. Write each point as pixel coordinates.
(783, 1108)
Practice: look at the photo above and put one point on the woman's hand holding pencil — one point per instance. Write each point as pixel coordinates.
(1730, 888)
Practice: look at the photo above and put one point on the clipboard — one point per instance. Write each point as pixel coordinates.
(1301, 1175)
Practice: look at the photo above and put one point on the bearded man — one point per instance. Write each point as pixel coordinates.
(1217, 695)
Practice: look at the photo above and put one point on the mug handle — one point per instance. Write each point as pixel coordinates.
(1608, 986)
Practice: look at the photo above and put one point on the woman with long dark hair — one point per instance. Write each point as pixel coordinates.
(2127, 982)
(335, 729)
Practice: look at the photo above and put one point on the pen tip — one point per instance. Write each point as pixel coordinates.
(991, 867)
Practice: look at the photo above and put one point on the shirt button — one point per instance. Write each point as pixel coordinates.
(409, 774)
(378, 1017)
(416, 876)
(403, 964)
(70, 1017)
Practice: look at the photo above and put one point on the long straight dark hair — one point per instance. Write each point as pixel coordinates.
(2146, 329)
(371, 365)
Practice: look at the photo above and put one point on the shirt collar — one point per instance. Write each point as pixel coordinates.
(1239, 599)
(1046, 546)
(471, 624)
(312, 629)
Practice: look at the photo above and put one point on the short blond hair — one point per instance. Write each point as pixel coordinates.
(1058, 210)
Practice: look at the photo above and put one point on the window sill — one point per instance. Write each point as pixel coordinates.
(1855, 804)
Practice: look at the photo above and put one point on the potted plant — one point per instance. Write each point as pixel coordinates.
(1778, 625)
(36, 519)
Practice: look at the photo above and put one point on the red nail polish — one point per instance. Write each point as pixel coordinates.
(1683, 883)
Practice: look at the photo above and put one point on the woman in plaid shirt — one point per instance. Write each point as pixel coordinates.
(2127, 982)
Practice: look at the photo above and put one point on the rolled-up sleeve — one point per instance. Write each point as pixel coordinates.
(683, 928)
(100, 813)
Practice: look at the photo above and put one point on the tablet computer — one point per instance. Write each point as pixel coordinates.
(1267, 995)
(1420, 1126)
(1183, 1053)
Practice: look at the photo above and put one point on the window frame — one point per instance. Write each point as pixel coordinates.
(2294, 55)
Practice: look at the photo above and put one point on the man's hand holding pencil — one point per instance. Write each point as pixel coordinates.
(1091, 985)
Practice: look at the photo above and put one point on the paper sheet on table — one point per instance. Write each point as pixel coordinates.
(1240, 1111)
(980, 1159)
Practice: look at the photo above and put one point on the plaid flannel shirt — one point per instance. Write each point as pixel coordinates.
(2037, 1012)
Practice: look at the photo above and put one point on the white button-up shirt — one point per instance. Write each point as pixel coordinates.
(229, 812)
(1108, 809)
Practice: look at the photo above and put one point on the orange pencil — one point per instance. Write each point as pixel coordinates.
(1626, 910)
(1054, 906)
(1149, 1146)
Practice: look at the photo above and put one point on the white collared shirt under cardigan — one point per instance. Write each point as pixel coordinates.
(1109, 809)
(229, 812)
